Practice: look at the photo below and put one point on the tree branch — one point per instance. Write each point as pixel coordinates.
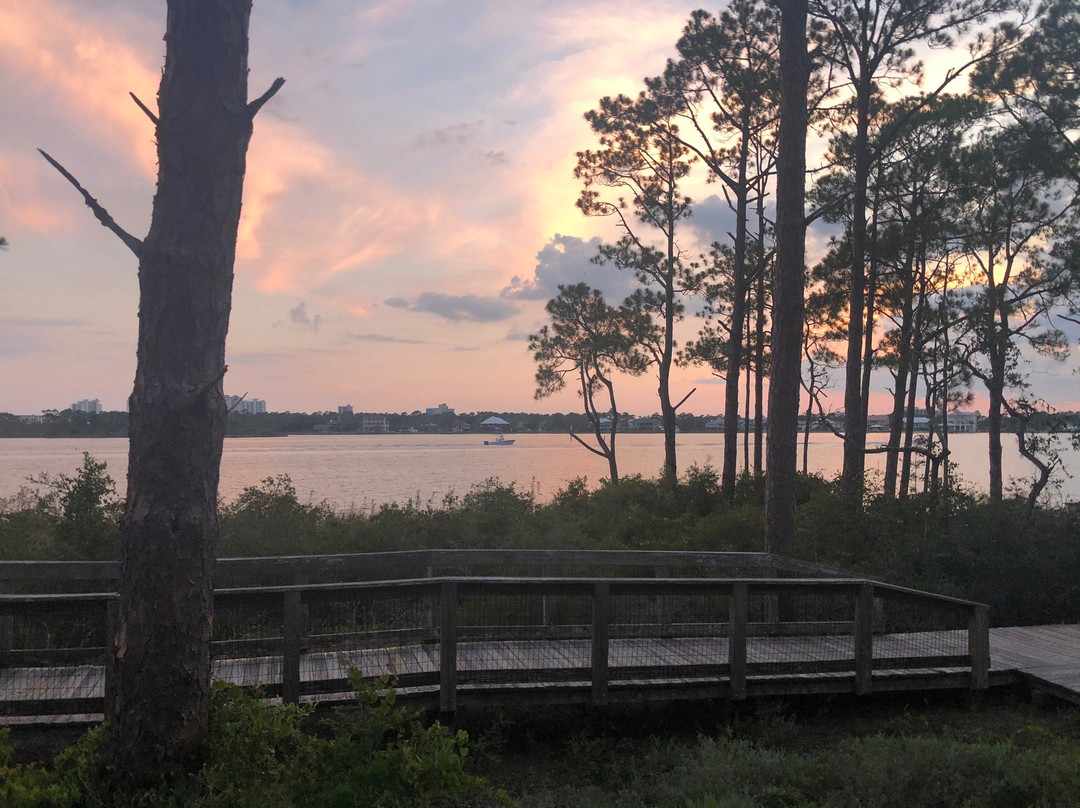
(683, 400)
(254, 107)
(102, 215)
(592, 449)
(207, 386)
(144, 108)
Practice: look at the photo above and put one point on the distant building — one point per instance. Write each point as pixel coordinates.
(963, 421)
(442, 409)
(91, 405)
(245, 406)
(345, 410)
(920, 423)
(31, 419)
(374, 424)
(878, 423)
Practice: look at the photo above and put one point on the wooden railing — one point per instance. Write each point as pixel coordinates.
(471, 637)
(403, 564)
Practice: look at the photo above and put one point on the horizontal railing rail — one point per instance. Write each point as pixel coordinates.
(445, 637)
(426, 563)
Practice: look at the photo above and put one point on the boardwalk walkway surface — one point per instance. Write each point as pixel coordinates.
(1047, 656)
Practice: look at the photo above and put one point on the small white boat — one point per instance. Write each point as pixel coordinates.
(500, 440)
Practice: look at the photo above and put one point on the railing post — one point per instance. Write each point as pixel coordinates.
(7, 622)
(448, 647)
(979, 647)
(112, 626)
(601, 627)
(771, 602)
(290, 654)
(303, 579)
(739, 611)
(547, 606)
(864, 638)
(663, 603)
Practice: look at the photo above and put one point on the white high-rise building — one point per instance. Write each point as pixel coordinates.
(245, 406)
(91, 405)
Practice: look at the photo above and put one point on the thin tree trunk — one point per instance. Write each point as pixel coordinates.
(854, 406)
(735, 340)
(667, 409)
(788, 283)
(946, 376)
(909, 427)
(759, 378)
(746, 405)
(806, 431)
(868, 331)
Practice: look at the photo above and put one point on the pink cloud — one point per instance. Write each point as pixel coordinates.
(21, 205)
(88, 71)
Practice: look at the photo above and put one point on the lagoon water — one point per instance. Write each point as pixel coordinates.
(363, 471)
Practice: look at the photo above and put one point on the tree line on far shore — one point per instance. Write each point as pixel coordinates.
(114, 424)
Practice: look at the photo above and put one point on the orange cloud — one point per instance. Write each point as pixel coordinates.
(88, 72)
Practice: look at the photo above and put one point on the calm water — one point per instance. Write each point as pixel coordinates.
(358, 471)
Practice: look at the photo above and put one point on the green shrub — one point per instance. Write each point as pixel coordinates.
(954, 543)
(858, 772)
(256, 755)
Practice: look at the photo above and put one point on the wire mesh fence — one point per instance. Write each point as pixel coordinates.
(436, 635)
(370, 633)
(512, 635)
(912, 632)
(53, 655)
(658, 632)
(246, 642)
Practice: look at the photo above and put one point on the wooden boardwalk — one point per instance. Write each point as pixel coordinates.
(551, 671)
(674, 626)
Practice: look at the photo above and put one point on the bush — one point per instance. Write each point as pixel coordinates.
(64, 517)
(256, 755)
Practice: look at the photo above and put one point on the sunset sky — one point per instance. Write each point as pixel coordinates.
(408, 208)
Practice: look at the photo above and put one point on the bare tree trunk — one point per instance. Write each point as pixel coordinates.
(993, 435)
(746, 404)
(759, 326)
(909, 426)
(903, 366)
(854, 405)
(868, 329)
(789, 282)
(735, 341)
(806, 434)
(177, 408)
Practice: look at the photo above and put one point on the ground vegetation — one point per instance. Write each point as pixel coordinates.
(1020, 561)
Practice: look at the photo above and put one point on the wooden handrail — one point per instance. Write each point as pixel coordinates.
(416, 563)
(862, 599)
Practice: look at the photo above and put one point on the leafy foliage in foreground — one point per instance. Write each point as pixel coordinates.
(373, 753)
(925, 755)
(875, 772)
